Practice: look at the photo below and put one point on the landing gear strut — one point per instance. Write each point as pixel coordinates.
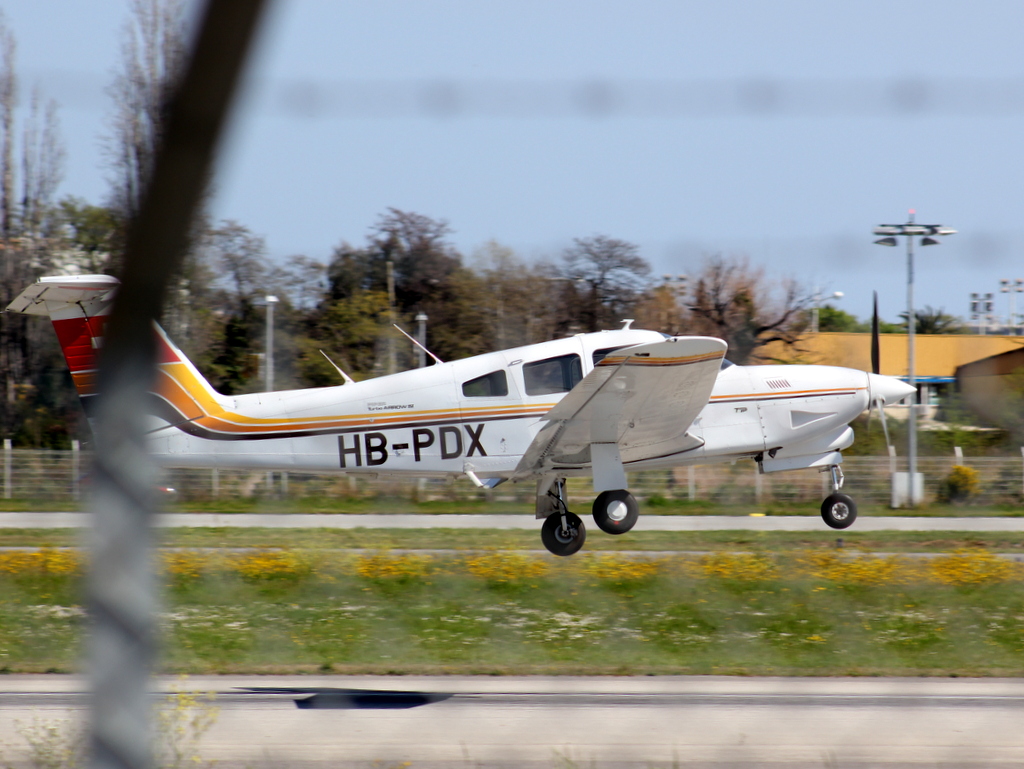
(838, 510)
(562, 533)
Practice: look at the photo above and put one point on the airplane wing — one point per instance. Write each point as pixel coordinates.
(637, 403)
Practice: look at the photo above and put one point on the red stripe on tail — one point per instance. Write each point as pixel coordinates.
(80, 339)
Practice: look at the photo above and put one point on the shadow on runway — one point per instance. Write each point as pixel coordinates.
(353, 699)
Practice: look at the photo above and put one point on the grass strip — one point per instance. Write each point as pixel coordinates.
(360, 505)
(797, 613)
(484, 539)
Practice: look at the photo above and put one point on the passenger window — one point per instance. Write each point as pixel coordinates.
(600, 355)
(554, 375)
(487, 386)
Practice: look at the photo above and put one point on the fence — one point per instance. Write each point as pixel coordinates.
(63, 476)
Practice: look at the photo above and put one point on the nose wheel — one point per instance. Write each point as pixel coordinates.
(839, 511)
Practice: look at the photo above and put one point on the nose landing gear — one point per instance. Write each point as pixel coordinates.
(839, 511)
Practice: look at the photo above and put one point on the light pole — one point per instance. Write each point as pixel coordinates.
(927, 233)
(1012, 287)
(981, 312)
(421, 337)
(268, 362)
(815, 313)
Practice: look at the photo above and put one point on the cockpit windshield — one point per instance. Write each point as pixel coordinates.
(726, 363)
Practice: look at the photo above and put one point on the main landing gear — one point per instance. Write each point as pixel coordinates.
(563, 532)
(838, 510)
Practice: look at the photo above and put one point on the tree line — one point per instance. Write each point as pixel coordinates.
(340, 308)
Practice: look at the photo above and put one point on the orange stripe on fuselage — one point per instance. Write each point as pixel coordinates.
(178, 386)
(775, 394)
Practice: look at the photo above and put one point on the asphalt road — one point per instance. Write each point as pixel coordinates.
(57, 520)
(585, 722)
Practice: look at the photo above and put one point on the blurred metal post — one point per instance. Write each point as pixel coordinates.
(6, 468)
(120, 591)
(76, 468)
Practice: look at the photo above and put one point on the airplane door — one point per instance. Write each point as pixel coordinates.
(730, 423)
(774, 419)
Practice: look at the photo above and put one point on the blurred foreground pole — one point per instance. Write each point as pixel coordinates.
(121, 594)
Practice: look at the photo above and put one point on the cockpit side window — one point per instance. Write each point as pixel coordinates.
(491, 385)
(726, 363)
(552, 375)
(600, 355)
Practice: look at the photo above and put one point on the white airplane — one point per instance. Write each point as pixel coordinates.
(597, 404)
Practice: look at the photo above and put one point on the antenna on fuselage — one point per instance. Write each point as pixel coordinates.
(627, 324)
(346, 377)
(413, 340)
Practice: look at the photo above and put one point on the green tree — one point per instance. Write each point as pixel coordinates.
(349, 330)
(932, 321)
(833, 319)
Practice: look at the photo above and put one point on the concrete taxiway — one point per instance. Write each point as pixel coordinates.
(585, 722)
(59, 520)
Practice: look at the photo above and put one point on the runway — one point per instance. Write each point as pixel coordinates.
(62, 520)
(584, 722)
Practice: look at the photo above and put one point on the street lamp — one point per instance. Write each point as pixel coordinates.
(421, 337)
(268, 362)
(815, 312)
(927, 233)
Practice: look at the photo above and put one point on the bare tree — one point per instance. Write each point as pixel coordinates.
(239, 256)
(603, 277)
(31, 243)
(8, 101)
(152, 55)
(42, 166)
(732, 301)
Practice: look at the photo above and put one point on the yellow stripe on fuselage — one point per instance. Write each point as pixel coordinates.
(178, 385)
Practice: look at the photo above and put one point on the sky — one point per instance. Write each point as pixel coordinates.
(781, 132)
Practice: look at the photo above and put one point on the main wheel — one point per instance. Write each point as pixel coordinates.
(838, 511)
(616, 511)
(562, 542)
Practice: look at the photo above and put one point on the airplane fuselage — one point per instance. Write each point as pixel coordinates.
(480, 414)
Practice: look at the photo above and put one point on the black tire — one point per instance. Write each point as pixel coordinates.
(838, 511)
(554, 538)
(616, 512)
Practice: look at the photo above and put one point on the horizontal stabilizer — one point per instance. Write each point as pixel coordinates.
(48, 296)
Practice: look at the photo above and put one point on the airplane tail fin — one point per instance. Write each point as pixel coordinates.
(78, 306)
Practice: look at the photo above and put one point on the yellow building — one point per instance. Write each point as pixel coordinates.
(936, 356)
